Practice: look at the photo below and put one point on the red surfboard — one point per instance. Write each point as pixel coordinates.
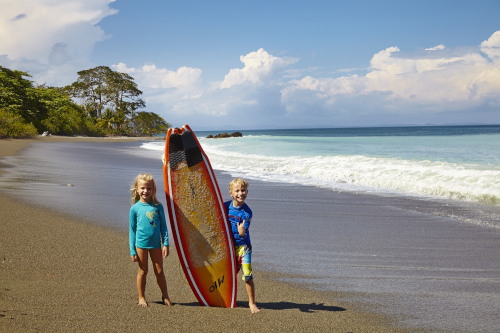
(198, 220)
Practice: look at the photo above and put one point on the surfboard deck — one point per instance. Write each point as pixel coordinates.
(198, 220)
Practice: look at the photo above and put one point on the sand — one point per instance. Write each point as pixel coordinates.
(59, 273)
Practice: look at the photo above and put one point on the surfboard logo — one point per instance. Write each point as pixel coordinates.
(215, 286)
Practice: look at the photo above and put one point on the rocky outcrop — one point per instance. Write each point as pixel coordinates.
(225, 135)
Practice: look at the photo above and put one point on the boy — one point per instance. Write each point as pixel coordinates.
(240, 216)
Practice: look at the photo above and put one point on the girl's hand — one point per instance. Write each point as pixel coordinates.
(241, 228)
(165, 251)
(134, 258)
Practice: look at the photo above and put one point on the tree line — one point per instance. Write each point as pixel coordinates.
(100, 102)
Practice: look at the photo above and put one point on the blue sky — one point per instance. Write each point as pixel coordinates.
(270, 64)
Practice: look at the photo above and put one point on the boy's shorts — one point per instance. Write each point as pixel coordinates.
(244, 253)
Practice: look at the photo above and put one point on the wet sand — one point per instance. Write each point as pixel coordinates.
(61, 273)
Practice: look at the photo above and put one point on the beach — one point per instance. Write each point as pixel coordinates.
(63, 273)
(324, 260)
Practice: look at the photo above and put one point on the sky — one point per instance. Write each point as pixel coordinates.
(273, 64)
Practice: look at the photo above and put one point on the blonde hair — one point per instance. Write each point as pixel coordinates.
(145, 177)
(238, 181)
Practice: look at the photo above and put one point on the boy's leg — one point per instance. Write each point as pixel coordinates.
(157, 259)
(142, 255)
(251, 296)
(246, 264)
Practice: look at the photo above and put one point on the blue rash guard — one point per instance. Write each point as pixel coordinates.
(147, 227)
(236, 215)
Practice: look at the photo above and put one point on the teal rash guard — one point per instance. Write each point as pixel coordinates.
(148, 227)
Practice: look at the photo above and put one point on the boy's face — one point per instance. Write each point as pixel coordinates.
(239, 194)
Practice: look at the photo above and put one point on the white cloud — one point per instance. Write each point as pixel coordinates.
(491, 47)
(259, 66)
(436, 48)
(179, 94)
(47, 37)
(260, 93)
(185, 78)
(405, 84)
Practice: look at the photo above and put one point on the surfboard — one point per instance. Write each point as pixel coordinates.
(201, 231)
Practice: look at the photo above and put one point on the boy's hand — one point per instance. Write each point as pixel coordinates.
(134, 258)
(241, 228)
(165, 251)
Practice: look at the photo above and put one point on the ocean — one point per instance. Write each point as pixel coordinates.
(458, 163)
(407, 218)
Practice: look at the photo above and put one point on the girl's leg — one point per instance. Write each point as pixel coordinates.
(142, 254)
(157, 259)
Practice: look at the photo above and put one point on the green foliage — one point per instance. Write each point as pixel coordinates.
(14, 126)
(18, 95)
(63, 116)
(28, 108)
(148, 123)
(91, 129)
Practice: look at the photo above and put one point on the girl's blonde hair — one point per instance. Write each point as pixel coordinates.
(238, 181)
(145, 177)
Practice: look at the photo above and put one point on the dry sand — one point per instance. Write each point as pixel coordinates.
(58, 273)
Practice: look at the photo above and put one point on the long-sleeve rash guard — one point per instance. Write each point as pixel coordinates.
(236, 215)
(148, 227)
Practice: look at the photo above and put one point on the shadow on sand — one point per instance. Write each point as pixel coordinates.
(312, 307)
(309, 308)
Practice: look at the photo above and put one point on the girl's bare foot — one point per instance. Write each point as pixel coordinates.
(142, 302)
(166, 301)
(254, 308)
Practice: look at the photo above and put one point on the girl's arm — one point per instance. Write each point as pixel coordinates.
(163, 226)
(132, 232)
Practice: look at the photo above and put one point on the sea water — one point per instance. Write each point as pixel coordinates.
(460, 163)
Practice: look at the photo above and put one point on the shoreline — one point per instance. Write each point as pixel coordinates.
(46, 289)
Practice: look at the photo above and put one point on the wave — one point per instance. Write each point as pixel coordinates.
(458, 181)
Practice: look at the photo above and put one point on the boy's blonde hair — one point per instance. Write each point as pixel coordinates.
(146, 177)
(238, 181)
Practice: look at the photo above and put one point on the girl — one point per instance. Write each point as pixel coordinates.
(147, 231)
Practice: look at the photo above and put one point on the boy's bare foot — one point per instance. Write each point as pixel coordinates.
(254, 308)
(142, 302)
(166, 301)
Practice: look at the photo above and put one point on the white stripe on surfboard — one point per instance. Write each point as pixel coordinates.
(180, 247)
(221, 204)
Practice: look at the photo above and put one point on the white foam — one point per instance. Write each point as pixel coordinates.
(448, 180)
(291, 160)
(153, 145)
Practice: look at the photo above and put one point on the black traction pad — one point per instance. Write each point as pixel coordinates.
(183, 147)
(193, 152)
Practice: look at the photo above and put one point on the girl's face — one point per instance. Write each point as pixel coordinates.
(145, 190)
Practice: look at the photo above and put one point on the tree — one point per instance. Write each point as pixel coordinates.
(101, 87)
(63, 115)
(125, 93)
(92, 89)
(18, 96)
(149, 123)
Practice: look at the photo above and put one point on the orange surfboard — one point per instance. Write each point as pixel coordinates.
(198, 220)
